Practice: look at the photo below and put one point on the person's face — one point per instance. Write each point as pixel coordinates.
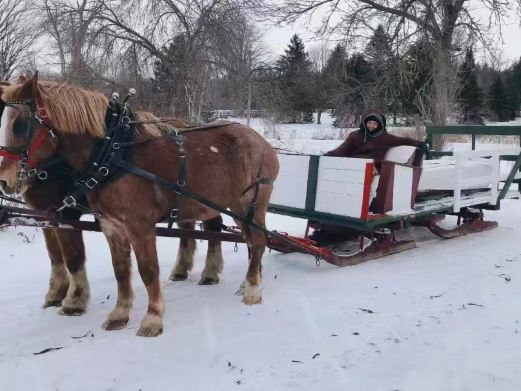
(371, 126)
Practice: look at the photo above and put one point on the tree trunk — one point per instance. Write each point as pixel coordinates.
(319, 114)
(248, 104)
(443, 91)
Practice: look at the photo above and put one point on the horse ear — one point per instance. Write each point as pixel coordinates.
(34, 83)
(21, 79)
(29, 88)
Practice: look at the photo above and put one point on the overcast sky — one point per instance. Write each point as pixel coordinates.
(277, 39)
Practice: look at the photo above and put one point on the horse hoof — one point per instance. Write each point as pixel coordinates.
(178, 277)
(52, 303)
(115, 324)
(71, 311)
(208, 281)
(252, 300)
(149, 331)
(240, 291)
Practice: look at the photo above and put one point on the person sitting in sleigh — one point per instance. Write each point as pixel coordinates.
(371, 141)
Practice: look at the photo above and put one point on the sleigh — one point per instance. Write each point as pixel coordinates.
(354, 200)
(368, 208)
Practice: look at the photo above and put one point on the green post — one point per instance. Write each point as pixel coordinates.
(311, 194)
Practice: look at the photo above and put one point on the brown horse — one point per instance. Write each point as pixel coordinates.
(223, 165)
(68, 284)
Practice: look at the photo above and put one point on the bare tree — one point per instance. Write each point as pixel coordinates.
(438, 22)
(72, 25)
(16, 37)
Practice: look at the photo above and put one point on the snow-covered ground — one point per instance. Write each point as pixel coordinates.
(444, 316)
(439, 317)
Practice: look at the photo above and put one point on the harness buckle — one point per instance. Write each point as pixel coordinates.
(174, 213)
(179, 186)
(42, 175)
(68, 202)
(52, 135)
(91, 183)
(32, 172)
(103, 171)
(116, 146)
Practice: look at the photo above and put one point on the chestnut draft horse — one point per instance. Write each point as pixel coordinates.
(224, 164)
(68, 284)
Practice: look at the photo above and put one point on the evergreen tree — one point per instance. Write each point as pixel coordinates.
(470, 96)
(359, 75)
(515, 86)
(296, 81)
(499, 103)
(170, 76)
(334, 79)
(416, 78)
(382, 92)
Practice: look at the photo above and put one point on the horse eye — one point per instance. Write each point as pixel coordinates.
(21, 127)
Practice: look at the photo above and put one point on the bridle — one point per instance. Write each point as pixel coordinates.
(24, 153)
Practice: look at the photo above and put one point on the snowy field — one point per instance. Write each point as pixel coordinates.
(444, 316)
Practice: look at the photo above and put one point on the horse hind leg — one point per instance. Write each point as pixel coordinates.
(214, 257)
(256, 241)
(120, 251)
(185, 256)
(59, 279)
(73, 251)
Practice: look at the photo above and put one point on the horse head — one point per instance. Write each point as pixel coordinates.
(23, 133)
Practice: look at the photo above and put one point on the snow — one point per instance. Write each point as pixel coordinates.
(443, 316)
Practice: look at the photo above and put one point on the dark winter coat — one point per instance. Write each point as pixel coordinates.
(362, 144)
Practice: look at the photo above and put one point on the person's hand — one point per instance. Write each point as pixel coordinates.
(425, 148)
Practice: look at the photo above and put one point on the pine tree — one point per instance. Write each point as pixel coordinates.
(498, 100)
(383, 89)
(296, 81)
(170, 76)
(416, 79)
(359, 75)
(470, 96)
(515, 86)
(334, 78)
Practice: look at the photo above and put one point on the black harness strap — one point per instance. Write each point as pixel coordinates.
(186, 192)
(101, 159)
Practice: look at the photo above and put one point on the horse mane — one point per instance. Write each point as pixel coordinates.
(76, 110)
(157, 129)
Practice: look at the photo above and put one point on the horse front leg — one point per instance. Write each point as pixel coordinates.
(120, 251)
(73, 252)
(59, 279)
(185, 256)
(143, 240)
(214, 257)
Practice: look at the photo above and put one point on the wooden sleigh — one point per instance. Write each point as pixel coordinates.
(348, 194)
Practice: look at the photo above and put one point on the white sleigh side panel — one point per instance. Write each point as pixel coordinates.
(291, 185)
(341, 186)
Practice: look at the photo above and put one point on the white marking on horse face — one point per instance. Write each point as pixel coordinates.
(4, 122)
(214, 149)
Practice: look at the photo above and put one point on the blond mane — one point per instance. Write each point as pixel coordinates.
(157, 129)
(75, 110)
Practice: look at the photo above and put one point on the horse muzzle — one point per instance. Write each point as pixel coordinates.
(11, 190)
